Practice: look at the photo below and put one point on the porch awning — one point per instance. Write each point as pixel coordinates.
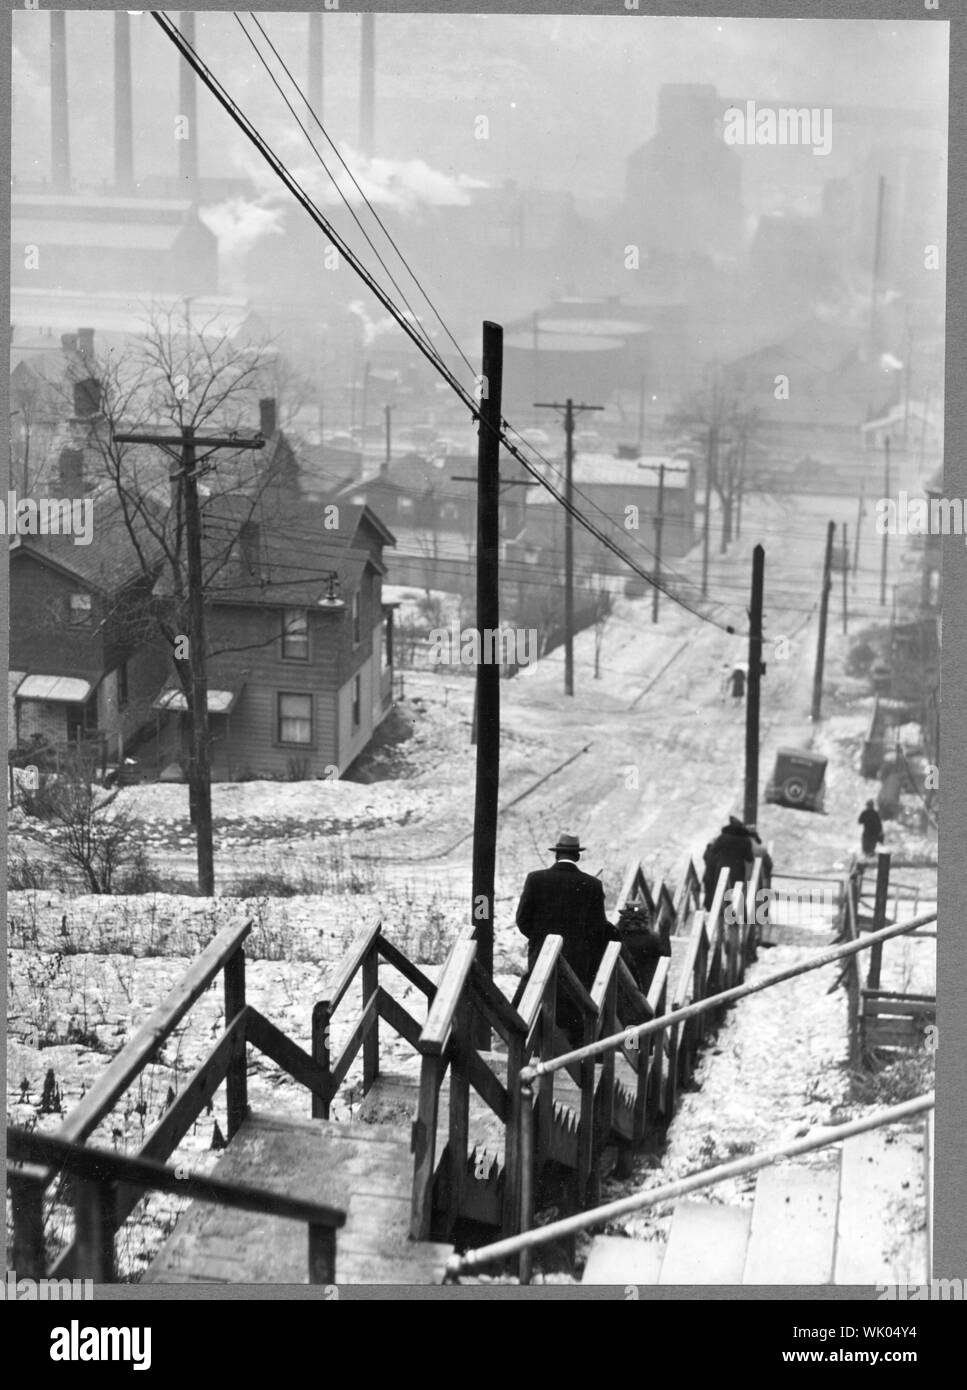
(67, 690)
(219, 701)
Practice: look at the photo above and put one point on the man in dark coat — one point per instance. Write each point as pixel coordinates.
(872, 829)
(564, 901)
(731, 849)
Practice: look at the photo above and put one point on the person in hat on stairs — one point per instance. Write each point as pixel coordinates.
(565, 901)
(731, 849)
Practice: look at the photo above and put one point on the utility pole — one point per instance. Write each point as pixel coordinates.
(877, 244)
(751, 803)
(659, 520)
(845, 573)
(200, 782)
(886, 494)
(387, 412)
(712, 446)
(859, 523)
(488, 672)
(823, 614)
(570, 410)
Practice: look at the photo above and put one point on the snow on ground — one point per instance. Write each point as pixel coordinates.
(644, 762)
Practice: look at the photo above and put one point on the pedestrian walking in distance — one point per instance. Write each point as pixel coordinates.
(565, 901)
(872, 829)
(737, 685)
(731, 849)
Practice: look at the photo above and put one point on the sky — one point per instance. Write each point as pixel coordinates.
(566, 98)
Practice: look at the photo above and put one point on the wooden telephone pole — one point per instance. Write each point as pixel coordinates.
(886, 493)
(659, 521)
(200, 782)
(750, 810)
(570, 410)
(488, 672)
(823, 615)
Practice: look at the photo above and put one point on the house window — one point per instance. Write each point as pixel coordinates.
(357, 627)
(295, 719)
(449, 511)
(122, 679)
(357, 700)
(404, 505)
(80, 609)
(295, 634)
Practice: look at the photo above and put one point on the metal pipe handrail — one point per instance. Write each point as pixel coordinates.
(715, 1001)
(570, 1225)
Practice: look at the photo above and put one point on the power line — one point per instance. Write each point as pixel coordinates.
(298, 192)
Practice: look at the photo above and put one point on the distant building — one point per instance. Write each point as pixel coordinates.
(621, 497)
(683, 187)
(81, 669)
(71, 242)
(300, 669)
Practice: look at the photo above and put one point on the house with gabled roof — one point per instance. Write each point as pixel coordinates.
(83, 668)
(299, 640)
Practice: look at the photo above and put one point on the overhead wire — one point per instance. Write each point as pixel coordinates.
(305, 201)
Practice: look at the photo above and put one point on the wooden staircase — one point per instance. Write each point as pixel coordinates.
(364, 1169)
(819, 1223)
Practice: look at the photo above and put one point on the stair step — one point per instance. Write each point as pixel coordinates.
(880, 1184)
(363, 1169)
(618, 1260)
(792, 1239)
(706, 1244)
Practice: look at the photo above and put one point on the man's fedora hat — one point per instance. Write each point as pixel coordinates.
(567, 842)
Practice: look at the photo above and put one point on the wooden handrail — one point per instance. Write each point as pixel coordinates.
(538, 982)
(105, 1165)
(494, 1005)
(575, 990)
(359, 948)
(606, 971)
(708, 1177)
(135, 1055)
(439, 1021)
(729, 996)
(99, 1169)
(395, 957)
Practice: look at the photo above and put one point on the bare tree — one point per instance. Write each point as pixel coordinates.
(717, 421)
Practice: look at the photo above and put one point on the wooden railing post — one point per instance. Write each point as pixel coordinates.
(321, 1055)
(879, 916)
(586, 1118)
(27, 1202)
(513, 1145)
(236, 1084)
(607, 1027)
(370, 982)
(544, 1119)
(94, 1227)
(423, 1145)
(459, 1119)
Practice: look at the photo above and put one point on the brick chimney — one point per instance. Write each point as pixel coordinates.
(85, 343)
(123, 120)
(87, 398)
(268, 422)
(60, 164)
(70, 472)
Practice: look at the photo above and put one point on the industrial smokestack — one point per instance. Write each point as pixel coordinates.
(314, 88)
(123, 118)
(367, 84)
(187, 110)
(60, 164)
